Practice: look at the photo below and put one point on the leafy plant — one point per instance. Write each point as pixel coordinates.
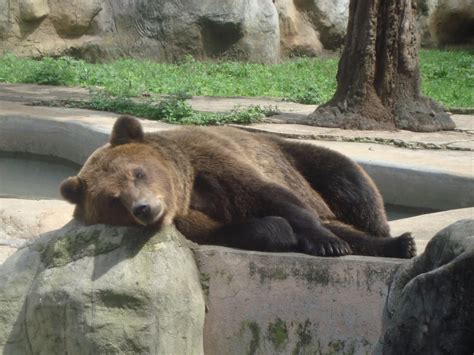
(173, 109)
(52, 72)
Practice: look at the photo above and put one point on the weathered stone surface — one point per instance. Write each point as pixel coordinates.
(162, 30)
(72, 17)
(271, 303)
(169, 30)
(31, 10)
(98, 289)
(4, 18)
(430, 308)
(447, 21)
(298, 35)
(214, 29)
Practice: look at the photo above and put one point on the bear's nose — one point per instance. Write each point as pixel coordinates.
(142, 211)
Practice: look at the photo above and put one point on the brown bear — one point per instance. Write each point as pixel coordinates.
(226, 186)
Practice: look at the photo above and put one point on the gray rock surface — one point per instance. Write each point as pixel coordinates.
(444, 22)
(85, 290)
(430, 307)
(32, 10)
(162, 30)
(255, 30)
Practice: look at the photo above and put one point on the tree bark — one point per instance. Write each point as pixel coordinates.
(378, 79)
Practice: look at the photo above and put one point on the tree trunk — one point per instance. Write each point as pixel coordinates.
(378, 79)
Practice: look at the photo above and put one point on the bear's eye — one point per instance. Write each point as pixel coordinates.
(139, 174)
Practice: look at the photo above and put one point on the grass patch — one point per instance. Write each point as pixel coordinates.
(173, 109)
(447, 76)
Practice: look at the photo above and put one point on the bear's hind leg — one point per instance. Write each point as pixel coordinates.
(362, 244)
(348, 191)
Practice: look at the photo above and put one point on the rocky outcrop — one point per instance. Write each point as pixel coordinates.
(162, 30)
(430, 307)
(255, 30)
(448, 22)
(292, 26)
(170, 30)
(86, 290)
(32, 10)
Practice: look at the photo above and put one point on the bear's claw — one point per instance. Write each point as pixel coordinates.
(325, 247)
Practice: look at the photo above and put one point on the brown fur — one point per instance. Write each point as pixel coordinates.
(225, 186)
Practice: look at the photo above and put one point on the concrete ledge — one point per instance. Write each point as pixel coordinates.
(269, 303)
(434, 189)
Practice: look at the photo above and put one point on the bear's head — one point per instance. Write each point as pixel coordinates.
(126, 182)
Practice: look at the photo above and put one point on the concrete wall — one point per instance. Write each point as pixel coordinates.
(269, 303)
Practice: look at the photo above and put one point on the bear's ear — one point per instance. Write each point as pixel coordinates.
(72, 189)
(126, 129)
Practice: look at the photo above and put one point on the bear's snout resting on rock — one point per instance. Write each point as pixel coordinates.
(225, 186)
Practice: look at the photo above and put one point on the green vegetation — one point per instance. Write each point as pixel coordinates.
(447, 76)
(278, 333)
(173, 109)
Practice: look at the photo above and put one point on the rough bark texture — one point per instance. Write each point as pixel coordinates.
(378, 80)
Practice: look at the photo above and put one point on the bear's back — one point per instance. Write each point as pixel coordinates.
(209, 147)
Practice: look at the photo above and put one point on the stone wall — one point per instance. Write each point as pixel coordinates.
(256, 30)
(162, 30)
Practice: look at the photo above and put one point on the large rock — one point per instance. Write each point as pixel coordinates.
(168, 30)
(449, 22)
(298, 35)
(430, 308)
(32, 10)
(73, 18)
(162, 30)
(97, 290)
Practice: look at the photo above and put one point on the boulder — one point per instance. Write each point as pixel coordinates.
(430, 306)
(451, 22)
(32, 10)
(73, 18)
(298, 35)
(98, 289)
(307, 27)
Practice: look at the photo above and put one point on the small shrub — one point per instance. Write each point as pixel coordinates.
(52, 72)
